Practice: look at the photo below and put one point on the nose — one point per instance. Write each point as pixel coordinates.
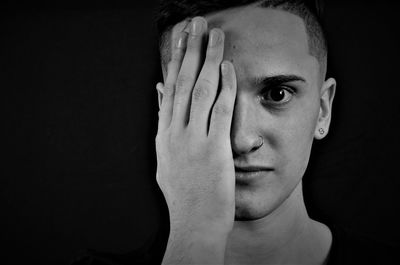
(244, 136)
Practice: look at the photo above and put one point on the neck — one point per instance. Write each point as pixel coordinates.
(285, 236)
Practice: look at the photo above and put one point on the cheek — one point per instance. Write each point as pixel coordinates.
(300, 120)
(300, 126)
(294, 135)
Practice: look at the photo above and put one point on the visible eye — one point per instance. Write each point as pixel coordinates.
(277, 95)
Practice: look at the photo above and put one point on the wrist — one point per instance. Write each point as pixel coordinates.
(205, 231)
(211, 235)
(189, 246)
(218, 226)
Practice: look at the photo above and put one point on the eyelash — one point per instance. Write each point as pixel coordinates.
(264, 92)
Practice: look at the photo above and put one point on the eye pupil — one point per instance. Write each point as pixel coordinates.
(277, 94)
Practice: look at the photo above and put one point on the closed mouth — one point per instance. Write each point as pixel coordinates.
(251, 173)
(252, 169)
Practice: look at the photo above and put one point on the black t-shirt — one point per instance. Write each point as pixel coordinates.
(347, 248)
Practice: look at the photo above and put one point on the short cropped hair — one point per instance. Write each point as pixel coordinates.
(170, 12)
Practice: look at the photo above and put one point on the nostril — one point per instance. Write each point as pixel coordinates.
(245, 143)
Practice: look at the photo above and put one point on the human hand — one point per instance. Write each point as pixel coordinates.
(195, 168)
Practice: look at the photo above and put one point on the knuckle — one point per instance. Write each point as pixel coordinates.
(222, 109)
(202, 90)
(199, 93)
(205, 82)
(182, 83)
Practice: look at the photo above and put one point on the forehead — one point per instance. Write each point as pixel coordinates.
(260, 41)
(261, 27)
(264, 40)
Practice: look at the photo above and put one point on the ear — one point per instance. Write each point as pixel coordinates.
(325, 111)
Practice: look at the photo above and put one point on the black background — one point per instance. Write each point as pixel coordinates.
(80, 113)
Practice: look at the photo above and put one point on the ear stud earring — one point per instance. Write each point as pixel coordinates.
(321, 131)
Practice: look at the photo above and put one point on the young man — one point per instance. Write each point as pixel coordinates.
(243, 98)
(235, 132)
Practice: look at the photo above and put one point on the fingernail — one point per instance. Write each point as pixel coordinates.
(224, 68)
(180, 43)
(197, 26)
(214, 38)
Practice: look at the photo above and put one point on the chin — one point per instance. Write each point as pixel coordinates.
(252, 205)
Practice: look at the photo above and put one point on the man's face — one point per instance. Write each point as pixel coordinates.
(278, 100)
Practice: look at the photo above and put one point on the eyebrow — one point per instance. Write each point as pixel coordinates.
(276, 79)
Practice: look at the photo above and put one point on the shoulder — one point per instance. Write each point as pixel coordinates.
(351, 248)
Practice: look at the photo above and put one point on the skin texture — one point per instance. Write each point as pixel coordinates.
(195, 164)
(204, 150)
(269, 43)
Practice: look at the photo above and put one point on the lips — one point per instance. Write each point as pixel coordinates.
(251, 173)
